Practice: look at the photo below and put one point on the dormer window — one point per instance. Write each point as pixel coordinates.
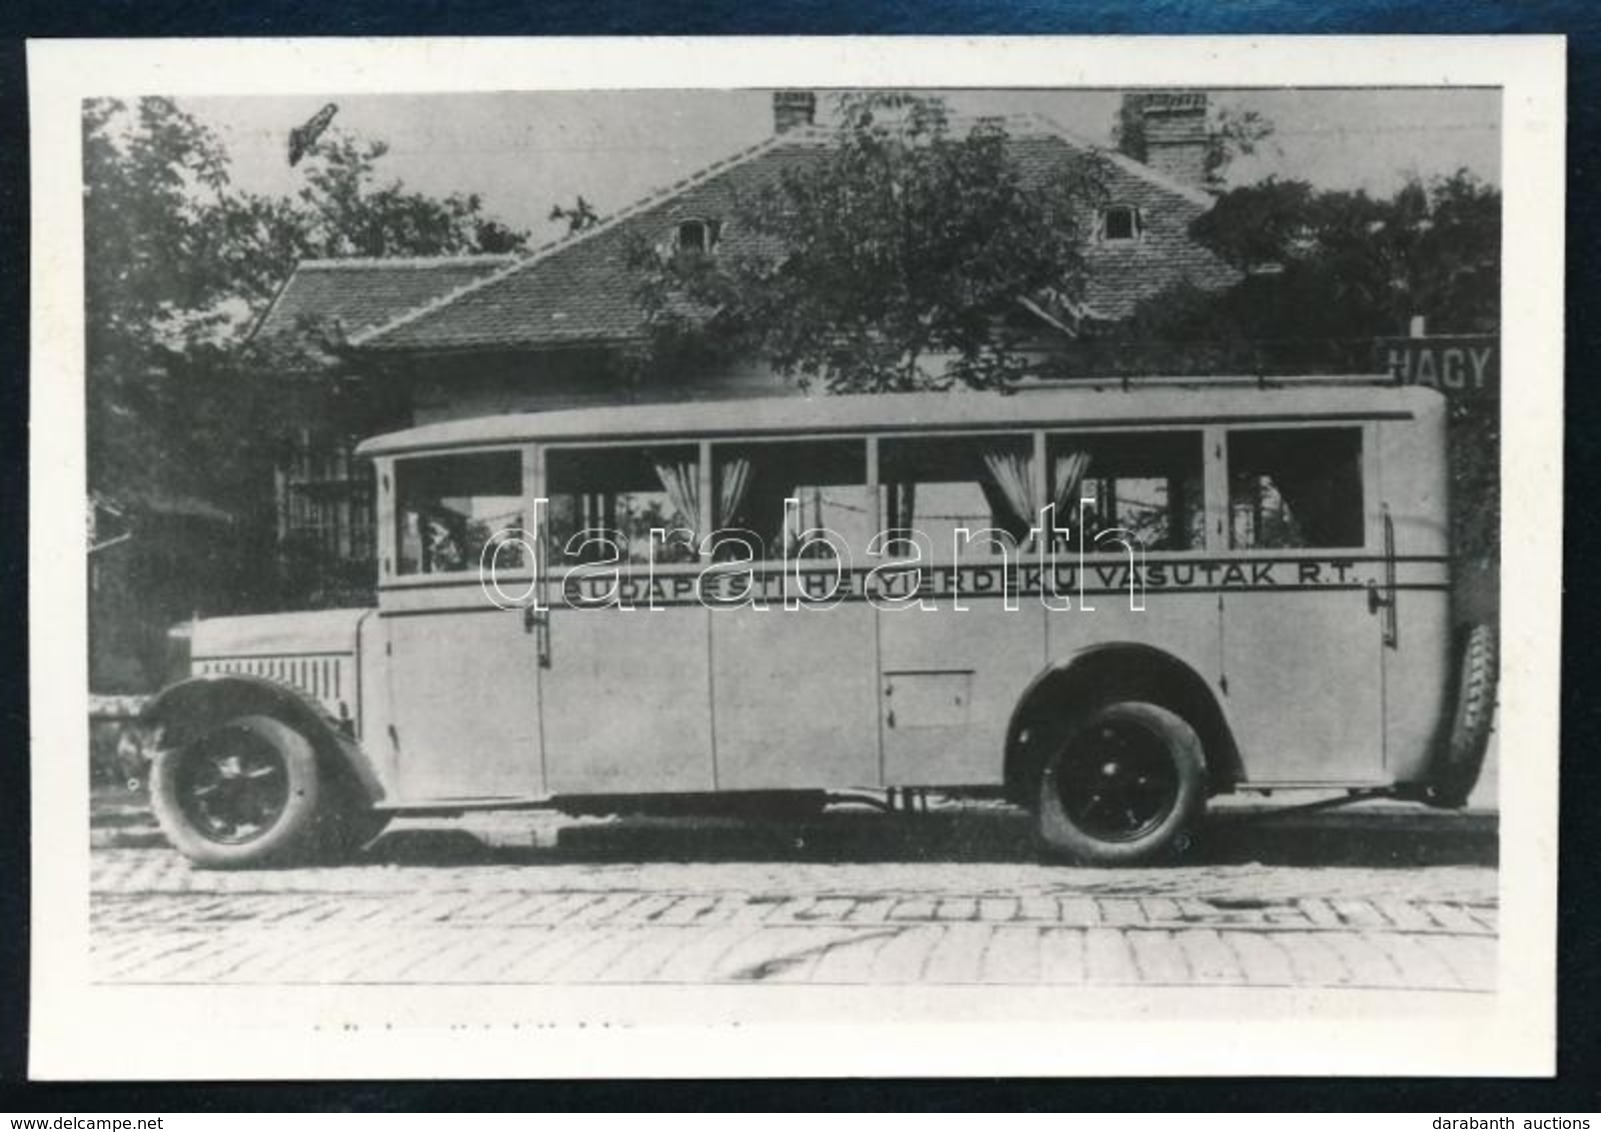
(696, 236)
(1121, 224)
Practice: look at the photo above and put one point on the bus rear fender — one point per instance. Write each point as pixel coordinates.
(1122, 671)
(190, 708)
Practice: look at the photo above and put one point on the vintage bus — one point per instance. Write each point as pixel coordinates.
(1244, 588)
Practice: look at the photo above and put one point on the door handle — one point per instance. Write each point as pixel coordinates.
(1385, 601)
(537, 622)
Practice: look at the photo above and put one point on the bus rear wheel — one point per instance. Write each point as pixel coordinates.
(1126, 783)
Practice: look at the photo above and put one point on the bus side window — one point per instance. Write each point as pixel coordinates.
(1147, 485)
(620, 494)
(1291, 488)
(827, 479)
(448, 507)
(940, 486)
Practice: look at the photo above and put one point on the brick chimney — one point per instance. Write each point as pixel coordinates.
(793, 108)
(1171, 135)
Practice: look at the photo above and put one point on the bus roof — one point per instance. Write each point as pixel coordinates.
(1140, 404)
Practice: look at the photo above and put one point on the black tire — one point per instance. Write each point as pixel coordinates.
(348, 823)
(1462, 758)
(244, 795)
(1122, 788)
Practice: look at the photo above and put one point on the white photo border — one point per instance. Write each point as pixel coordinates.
(80, 1030)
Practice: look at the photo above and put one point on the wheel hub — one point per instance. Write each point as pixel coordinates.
(233, 787)
(1118, 782)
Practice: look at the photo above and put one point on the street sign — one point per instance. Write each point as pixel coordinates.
(1459, 365)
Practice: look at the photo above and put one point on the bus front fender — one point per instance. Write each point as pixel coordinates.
(190, 708)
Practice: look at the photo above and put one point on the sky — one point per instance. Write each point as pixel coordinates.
(524, 152)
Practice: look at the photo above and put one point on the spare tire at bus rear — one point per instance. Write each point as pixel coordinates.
(1463, 755)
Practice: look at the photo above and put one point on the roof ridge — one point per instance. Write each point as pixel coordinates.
(545, 251)
(373, 262)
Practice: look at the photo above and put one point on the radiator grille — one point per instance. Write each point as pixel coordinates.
(328, 679)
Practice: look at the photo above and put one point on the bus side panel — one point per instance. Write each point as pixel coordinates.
(374, 712)
(463, 682)
(1417, 683)
(1418, 668)
(793, 694)
(625, 701)
(949, 681)
(1305, 686)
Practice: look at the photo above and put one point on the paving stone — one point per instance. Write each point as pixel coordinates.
(1320, 913)
(1404, 916)
(1078, 911)
(873, 910)
(1367, 963)
(1013, 956)
(1160, 909)
(959, 955)
(1159, 958)
(1209, 959)
(1451, 918)
(1314, 962)
(850, 960)
(1062, 956)
(1044, 908)
(1119, 912)
(902, 958)
(1418, 966)
(1108, 958)
(997, 909)
(1360, 914)
(1264, 960)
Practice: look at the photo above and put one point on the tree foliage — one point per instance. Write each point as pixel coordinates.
(178, 262)
(895, 259)
(1332, 268)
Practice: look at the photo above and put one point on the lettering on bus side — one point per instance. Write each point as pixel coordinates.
(900, 582)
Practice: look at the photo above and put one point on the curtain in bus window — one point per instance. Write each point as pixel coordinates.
(734, 474)
(1071, 468)
(1012, 474)
(681, 481)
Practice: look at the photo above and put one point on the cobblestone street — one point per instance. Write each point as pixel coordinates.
(1352, 900)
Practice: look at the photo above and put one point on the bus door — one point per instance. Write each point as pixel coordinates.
(793, 688)
(462, 680)
(953, 664)
(623, 650)
(1302, 589)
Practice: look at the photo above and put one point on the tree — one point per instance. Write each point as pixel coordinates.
(1324, 265)
(178, 262)
(895, 259)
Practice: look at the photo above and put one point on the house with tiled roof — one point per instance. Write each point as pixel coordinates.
(468, 336)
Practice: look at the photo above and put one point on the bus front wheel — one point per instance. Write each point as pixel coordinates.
(243, 795)
(1125, 784)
